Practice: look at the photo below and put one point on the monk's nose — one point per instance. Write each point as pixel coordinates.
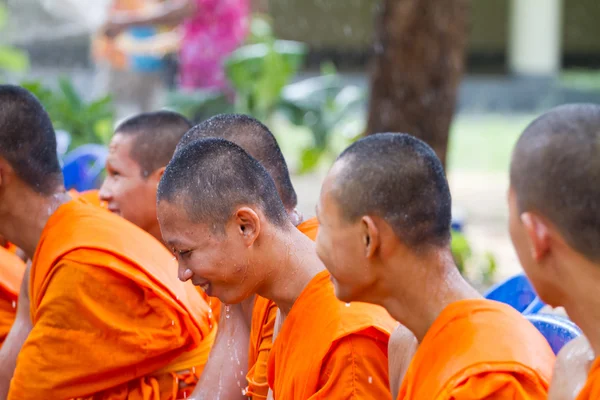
(184, 273)
(104, 193)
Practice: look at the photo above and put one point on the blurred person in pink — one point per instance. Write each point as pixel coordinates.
(209, 29)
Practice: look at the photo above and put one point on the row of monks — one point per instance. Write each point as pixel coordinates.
(191, 274)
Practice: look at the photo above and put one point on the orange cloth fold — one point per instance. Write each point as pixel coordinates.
(12, 269)
(91, 196)
(479, 349)
(264, 314)
(591, 390)
(109, 314)
(329, 350)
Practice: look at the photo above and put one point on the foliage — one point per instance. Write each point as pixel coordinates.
(260, 74)
(320, 104)
(11, 59)
(86, 122)
(482, 270)
(581, 79)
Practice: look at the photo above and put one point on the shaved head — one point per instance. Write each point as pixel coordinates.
(555, 171)
(155, 137)
(28, 141)
(255, 138)
(399, 179)
(211, 177)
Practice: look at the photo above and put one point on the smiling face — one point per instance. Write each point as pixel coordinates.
(220, 263)
(125, 190)
(341, 246)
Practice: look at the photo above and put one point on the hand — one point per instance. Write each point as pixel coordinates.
(112, 29)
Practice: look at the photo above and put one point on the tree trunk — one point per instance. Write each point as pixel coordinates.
(417, 67)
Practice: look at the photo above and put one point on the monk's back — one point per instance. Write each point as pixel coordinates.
(480, 349)
(109, 315)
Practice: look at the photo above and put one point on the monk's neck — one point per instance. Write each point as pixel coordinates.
(435, 285)
(582, 304)
(294, 263)
(29, 218)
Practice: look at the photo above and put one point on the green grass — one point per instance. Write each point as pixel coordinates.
(484, 142)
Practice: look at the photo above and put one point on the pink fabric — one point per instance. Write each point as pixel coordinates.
(217, 29)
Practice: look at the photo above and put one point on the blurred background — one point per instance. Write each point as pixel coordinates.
(465, 76)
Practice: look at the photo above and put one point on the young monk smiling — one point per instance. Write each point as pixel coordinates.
(384, 235)
(219, 210)
(258, 313)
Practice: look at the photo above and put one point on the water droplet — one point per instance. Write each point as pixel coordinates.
(347, 304)
(227, 311)
(370, 379)
(185, 395)
(14, 304)
(172, 323)
(209, 326)
(242, 373)
(244, 392)
(174, 259)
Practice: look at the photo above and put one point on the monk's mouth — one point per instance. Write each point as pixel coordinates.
(206, 287)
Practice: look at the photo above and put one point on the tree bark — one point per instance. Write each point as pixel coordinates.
(417, 67)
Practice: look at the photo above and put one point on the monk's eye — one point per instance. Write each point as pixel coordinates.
(183, 253)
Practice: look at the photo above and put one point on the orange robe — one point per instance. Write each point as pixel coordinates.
(479, 349)
(591, 390)
(12, 269)
(110, 318)
(91, 196)
(329, 350)
(264, 314)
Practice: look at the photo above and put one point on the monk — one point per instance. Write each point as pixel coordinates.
(384, 235)
(554, 220)
(238, 241)
(138, 154)
(100, 313)
(256, 312)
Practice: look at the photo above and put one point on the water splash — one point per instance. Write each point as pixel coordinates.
(347, 304)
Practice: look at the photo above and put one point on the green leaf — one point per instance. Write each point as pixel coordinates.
(309, 159)
(13, 60)
(70, 95)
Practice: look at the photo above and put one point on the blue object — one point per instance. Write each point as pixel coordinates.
(536, 305)
(144, 63)
(82, 167)
(557, 330)
(516, 291)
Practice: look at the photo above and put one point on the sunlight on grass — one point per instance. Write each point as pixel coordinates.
(484, 142)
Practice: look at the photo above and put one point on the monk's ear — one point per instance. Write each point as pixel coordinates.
(5, 171)
(247, 224)
(156, 175)
(370, 236)
(538, 235)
